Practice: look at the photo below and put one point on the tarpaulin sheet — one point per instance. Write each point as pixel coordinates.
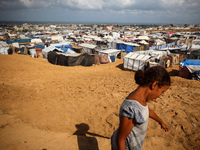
(195, 62)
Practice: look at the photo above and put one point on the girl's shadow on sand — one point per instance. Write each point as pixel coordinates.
(86, 142)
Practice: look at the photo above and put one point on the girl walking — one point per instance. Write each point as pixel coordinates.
(134, 111)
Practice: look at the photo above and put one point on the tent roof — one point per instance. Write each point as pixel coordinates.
(143, 42)
(111, 51)
(143, 38)
(131, 44)
(87, 45)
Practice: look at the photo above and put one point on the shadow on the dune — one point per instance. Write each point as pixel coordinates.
(86, 142)
(120, 66)
(174, 73)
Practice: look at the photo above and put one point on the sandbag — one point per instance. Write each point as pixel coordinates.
(104, 59)
(97, 59)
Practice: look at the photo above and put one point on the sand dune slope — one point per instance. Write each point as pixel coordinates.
(44, 106)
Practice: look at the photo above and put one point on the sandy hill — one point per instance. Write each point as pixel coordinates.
(44, 106)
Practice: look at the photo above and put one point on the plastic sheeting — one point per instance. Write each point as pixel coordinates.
(193, 68)
(162, 46)
(124, 47)
(194, 62)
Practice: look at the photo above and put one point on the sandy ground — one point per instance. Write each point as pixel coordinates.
(48, 107)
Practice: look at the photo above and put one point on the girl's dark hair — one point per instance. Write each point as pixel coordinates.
(151, 75)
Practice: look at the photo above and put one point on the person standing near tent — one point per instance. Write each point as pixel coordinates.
(134, 111)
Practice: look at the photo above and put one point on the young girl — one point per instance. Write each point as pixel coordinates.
(134, 111)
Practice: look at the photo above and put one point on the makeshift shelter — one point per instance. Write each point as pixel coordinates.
(64, 48)
(4, 50)
(70, 60)
(15, 45)
(190, 68)
(143, 38)
(57, 38)
(87, 48)
(159, 42)
(145, 45)
(112, 54)
(195, 45)
(128, 47)
(36, 41)
(32, 52)
(52, 47)
(4, 47)
(39, 46)
(135, 61)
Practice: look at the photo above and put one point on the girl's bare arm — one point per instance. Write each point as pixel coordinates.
(125, 128)
(153, 115)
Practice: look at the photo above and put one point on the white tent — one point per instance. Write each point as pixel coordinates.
(110, 52)
(36, 41)
(135, 61)
(15, 44)
(143, 42)
(154, 53)
(57, 38)
(131, 44)
(195, 44)
(160, 42)
(4, 48)
(115, 35)
(143, 38)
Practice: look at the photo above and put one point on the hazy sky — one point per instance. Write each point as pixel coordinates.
(110, 11)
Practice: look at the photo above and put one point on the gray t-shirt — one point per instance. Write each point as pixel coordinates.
(133, 109)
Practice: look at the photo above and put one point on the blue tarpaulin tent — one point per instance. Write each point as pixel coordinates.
(24, 40)
(19, 41)
(195, 62)
(39, 46)
(64, 47)
(10, 42)
(127, 48)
